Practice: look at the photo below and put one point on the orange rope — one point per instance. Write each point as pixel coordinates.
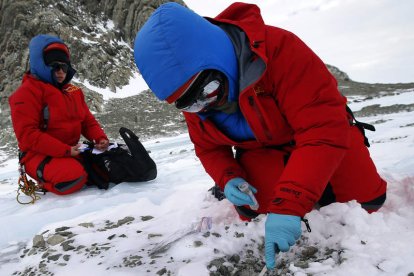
(27, 187)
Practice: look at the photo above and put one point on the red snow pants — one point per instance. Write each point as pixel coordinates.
(356, 178)
(61, 175)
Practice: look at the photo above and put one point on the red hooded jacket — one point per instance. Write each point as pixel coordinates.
(69, 117)
(295, 98)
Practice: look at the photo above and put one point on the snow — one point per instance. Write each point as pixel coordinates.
(381, 243)
(135, 86)
(355, 243)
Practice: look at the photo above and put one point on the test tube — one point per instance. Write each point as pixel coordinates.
(244, 187)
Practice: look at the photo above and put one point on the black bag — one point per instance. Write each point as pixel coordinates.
(125, 163)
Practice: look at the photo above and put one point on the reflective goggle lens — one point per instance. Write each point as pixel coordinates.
(203, 92)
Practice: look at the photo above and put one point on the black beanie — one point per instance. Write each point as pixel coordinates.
(55, 55)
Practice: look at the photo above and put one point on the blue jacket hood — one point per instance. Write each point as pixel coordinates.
(37, 63)
(176, 43)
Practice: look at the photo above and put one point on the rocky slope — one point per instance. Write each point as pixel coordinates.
(100, 35)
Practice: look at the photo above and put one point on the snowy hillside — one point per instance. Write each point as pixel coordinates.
(127, 229)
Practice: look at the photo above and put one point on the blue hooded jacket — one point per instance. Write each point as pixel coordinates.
(37, 63)
(175, 44)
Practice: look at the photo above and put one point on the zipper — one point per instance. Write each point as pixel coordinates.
(260, 116)
(70, 105)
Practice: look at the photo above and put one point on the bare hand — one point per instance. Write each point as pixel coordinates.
(102, 145)
(75, 150)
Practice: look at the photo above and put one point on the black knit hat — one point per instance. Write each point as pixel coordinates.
(55, 55)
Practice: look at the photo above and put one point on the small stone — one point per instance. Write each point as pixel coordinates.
(238, 235)
(125, 220)
(145, 218)
(86, 224)
(38, 241)
(216, 235)
(162, 271)
(55, 239)
(32, 251)
(54, 257)
(67, 247)
(301, 264)
(60, 229)
(154, 235)
(66, 257)
(111, 237)
(309, 252)
(197, 243)
(234, 258)
(65, 233)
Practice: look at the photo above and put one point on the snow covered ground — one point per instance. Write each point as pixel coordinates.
(122, 231)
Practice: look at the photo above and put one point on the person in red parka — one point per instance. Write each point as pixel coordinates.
(262, 109)
(49, 115)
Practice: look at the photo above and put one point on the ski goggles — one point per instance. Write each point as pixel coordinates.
(205, 90)
(56, 66)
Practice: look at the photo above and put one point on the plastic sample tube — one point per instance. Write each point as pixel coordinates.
(244, 187)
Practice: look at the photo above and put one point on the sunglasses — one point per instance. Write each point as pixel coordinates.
(204, 92)
(56, 66)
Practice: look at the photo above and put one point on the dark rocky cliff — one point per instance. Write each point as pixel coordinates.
(100, 34)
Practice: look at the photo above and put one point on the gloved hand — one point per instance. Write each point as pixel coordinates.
(237, 197)
(281, 232)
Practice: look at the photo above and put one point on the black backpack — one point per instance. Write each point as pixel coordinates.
(124, 163)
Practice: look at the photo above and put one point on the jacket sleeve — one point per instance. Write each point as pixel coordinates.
(311, 103)
(217, 159)
(26, 108)
(91, 129)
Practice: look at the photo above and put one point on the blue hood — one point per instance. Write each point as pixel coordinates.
(37, 63)
(176, 43)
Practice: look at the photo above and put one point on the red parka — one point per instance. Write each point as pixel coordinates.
(69, 117)
(295, 99)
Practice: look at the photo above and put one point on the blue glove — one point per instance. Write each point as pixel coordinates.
(281, 232)
(237, 197)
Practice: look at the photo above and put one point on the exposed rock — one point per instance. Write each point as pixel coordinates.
(145, 218)
(87, 224)
(99, 34)
(125, 220)
(55, 239)
(38, 241)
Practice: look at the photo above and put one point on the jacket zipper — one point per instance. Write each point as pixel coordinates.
(71, 105)
(260, 116)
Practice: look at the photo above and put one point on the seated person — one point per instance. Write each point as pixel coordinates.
(49, 115)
